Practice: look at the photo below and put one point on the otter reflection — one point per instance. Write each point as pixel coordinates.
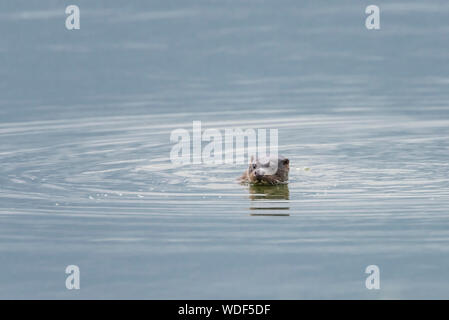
(269, 199)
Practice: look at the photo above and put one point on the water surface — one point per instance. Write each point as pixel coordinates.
(86, 179)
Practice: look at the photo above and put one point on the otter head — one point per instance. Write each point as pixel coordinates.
(270, 170)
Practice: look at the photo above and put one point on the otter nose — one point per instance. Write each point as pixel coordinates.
(258, 173)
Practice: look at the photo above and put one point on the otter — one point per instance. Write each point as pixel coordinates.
(270, 170)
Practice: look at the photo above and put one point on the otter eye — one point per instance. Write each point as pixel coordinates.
(254, 166)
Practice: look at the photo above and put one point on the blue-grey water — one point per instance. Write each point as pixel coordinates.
(86, 179)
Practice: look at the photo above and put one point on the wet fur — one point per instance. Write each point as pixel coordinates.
(280, 177)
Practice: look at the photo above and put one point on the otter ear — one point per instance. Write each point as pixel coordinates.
(286, 161)
(252, 159)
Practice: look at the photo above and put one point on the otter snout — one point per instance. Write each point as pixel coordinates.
(258, 174)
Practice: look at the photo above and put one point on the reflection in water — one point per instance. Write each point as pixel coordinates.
(269, 198)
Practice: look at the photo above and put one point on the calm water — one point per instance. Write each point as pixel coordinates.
(85, 175)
